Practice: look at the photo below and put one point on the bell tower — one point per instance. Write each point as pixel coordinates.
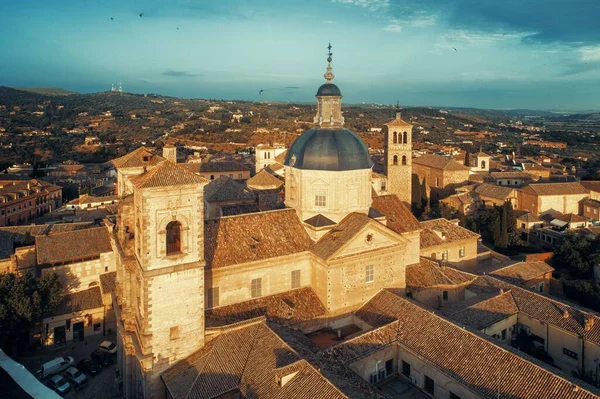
(164, 320)
(398, 157)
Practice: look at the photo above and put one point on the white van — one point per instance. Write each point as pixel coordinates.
(55, 366)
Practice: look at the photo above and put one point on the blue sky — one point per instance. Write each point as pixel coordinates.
(538, 54)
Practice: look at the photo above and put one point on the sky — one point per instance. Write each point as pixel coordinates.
(535, 54)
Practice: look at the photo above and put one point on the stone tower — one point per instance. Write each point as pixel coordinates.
(162, 320)
(170, 153)
(398, 158)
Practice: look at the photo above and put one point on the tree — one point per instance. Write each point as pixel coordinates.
(577, 254)
(467, 158)
(24, 300)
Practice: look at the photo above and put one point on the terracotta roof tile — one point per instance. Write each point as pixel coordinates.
(511, 175)
(248, 360)
(227, 189)
(335, 238)
(398, 123)
(319, 221)
(398, 215)
(222, 166)
(522, 272)
(79, 301)
(72, 245)
(137, 158)
(488, 312)
(428, 273)
(246, 238)
(451, 232)
(556, 189)
(439, 162)
(107, 282)
(469, 357)
(167, 174)
(289, 307)
(591, 185)
(571, 218)
(529, 217)
(495, 191)
(263, 180)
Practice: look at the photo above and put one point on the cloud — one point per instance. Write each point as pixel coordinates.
(372, 5)
(179, 74)
(329, 22)
(293, 87)
(589, 60)
(420, 20)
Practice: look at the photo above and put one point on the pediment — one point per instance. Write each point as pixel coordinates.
(371, 237)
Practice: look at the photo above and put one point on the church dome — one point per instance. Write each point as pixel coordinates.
(329, 149)
(329, 89)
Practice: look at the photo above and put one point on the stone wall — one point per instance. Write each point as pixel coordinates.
(83, 275)
(468, 262)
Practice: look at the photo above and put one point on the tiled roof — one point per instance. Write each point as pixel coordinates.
(522, 272)
(459, 200)
(428, 273)
(571, 218)
(556, 189)
(167, 174)
(239, 209)
(263, 180)
(488, 312)
(591, 185)
(319, 221)
(222, 166)
(398, 123)
(495, 191)
(439, 162)
(289, 307)
(79, 301)
(281, 157)
(398, 215)
(246, 238)
(107, 282)
(137, 158)
(468, 357)
(72, 245)
(249, 360)
(451, 232)
(227, 189)
(511, 175)
(529, 217)
(592, 202)
(344, 231)
(482, 154)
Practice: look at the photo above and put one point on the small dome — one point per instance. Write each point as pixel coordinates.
(329, 89)
(329, 149)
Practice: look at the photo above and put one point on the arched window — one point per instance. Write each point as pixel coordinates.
(395, 159)
(405, 138)
(482, 164)
(395, 138)
(173, 238)
(404, 160)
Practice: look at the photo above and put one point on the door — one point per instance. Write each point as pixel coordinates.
(389, 367)
(78, 331)
(406, 369)
(60, 336)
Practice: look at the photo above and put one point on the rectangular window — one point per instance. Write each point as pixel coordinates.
(369, 274)
(445, 295)
(239, 175)
(295, 278)
(405, 369)
(461, 252)
(429, 385)
(212, 297)
(503, 334)
(256, 287)
(541, 287)
(570, 354)
(445, 255)
(320, 198)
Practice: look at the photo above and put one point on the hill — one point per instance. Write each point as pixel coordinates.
(46, 91)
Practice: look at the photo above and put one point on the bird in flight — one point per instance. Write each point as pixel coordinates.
(455, 49)
(177, 28)
(260, 92)
(112, 19)
(141, 14)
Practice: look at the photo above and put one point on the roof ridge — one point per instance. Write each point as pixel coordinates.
(50, 233)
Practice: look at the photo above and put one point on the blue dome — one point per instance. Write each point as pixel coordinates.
(329, 89)
(329, 149)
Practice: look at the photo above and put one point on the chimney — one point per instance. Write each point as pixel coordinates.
(589, 323)
(170, 153)
(440, 233)
(398, 115)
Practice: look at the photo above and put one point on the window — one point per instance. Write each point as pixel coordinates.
(174, 333)
(395, 160)
(295, 278)
(212, 297)
(482, 164)
(532, 288)
(369, 274)
(97, 326)
(570, 354)
(405, 138)
(429, 385)
(382, 187)
(461, 252)
(437, 181)
(445, 255)
(503, 334)
(403, 160)
(395, 138)
(239, 175)
(212, 177)
(445, 295)
(541, 287)
(173, 238)
(405, 369)
(256, 287)
(320, 198)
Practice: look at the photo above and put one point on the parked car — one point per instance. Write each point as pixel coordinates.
(55, 366)
(103, 358)
(59, 384)
(76, 377)
(89, 366)
(109, 347)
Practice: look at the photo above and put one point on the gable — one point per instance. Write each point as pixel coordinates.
(371, 237)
